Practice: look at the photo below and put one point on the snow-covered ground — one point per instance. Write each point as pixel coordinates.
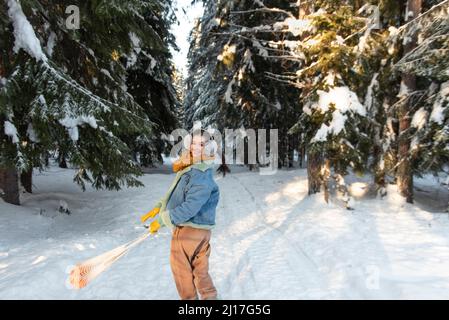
(272, 241)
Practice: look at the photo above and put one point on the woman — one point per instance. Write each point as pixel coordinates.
(188, 208)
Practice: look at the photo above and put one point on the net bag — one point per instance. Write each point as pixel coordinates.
(83, 273)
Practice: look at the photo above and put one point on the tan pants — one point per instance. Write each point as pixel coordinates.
(189, 260)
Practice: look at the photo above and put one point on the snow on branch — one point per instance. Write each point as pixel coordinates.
(25, 38)
(264, 9)
(439, 6)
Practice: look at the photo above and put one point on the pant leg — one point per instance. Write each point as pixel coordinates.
(195, 247)
(181, 268)
(202, 279)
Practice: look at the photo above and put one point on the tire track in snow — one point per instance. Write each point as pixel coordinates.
(300, 258)
(259, 259)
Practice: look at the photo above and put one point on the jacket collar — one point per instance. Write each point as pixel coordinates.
(203, 166)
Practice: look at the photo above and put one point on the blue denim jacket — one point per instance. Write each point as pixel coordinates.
(193, 200)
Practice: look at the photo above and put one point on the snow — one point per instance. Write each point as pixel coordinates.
(262, 51)
(72, 123)
(342, 98)
(11, 131)
(228, 94)
(438, 110)
(272, 241)
(153, 63)
(335, 127)
(278, 105)
(393, 31)
(330, 79)
(370, 92)
(51, 44)
(339, 40)
(32, 135)
(248, 60)
(135, 40)
(25, 38)
(419, 118)
(136, 49)
(295, 26)
(403, 90)
(228, 50)
(107, 73)
(394, 35)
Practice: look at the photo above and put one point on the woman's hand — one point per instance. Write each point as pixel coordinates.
(154, 212)
(154, 226)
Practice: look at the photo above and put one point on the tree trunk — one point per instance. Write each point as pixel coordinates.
(314, 171)
(404, 172)
(26, 178)
(223, 168)
(62, 159)
(302, 159)
(9, 182)
(291, 151)
(325, 176)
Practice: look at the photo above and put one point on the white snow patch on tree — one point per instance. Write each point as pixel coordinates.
(135, 40)
(11, 131)
(295, 26)
(278, 105)
(262, 51)
(414, 144)
(25, 38)
(403, 91)
(370, 91)
(72, 124)
(228, 50)
(342, 98)
(51, 43)
(345, 101)
(228, 94)
(247, 59)
(437, 114)
(419, 119)
(335, 127)
(32, 134)
(330, 79)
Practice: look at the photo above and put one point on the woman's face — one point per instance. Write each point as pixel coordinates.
(197, 146)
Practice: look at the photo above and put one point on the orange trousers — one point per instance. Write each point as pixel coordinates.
(189, 261)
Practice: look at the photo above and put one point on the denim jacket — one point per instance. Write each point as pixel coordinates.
(192, 199)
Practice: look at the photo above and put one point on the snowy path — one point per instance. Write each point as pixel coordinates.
(272, 241)
(261, 259)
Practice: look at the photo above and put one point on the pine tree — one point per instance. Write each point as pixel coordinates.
(230, 63)
(428, 62)
(67, 90)
(335, 50)
(404, 172)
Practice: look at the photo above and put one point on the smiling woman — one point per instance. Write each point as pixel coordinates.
(189, 209)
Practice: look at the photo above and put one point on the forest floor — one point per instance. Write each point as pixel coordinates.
(272, 241)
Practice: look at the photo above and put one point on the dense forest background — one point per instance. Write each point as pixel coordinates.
(353, 87)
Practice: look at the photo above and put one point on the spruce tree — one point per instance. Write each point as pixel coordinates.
(67, 90)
